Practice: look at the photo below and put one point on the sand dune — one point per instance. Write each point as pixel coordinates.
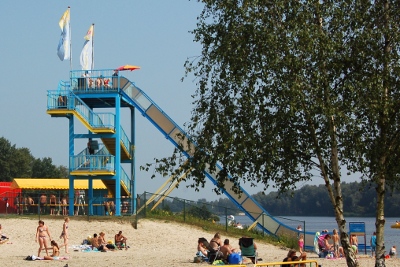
(153, 243)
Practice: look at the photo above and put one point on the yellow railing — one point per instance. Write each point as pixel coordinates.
(294, 263)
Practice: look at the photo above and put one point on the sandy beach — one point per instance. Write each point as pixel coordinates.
(153, 243)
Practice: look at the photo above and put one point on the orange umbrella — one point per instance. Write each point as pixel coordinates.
(128, 67)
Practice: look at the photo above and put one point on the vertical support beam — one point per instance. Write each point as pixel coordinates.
(90, 196)
(133, 166)
(71, 191)
(117, 155)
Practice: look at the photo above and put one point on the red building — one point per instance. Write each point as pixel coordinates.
(9, 198)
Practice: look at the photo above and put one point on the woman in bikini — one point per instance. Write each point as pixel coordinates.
(216, 241)
(56, 252)
(42, 233)
(64, 234)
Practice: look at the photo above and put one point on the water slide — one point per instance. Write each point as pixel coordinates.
(136, 97)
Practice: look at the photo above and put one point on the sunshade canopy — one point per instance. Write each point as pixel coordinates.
(128, 67)
(54, 183)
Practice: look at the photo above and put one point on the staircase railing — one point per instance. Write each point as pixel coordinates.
(125, 179)
(59, 99)
(125, 141)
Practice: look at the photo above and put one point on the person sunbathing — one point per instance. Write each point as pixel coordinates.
(96, 243)
(202, 248)
(216, 241)
(227, 249)
(55, 255)
(2, 237)
(120, 240)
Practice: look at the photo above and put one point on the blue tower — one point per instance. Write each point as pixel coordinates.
(109, 153)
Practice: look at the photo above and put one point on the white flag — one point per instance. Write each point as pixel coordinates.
(86, 59)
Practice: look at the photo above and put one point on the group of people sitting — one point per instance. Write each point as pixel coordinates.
(217, 249)
(99, 242)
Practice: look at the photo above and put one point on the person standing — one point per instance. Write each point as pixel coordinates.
(354, 243)
(65, 235)
(43, 202)
(393, 252)
(335, 239)
(64, 204)
(42, 233)
(53, 204)
(301, 243)
(30, 203)
(373, 244)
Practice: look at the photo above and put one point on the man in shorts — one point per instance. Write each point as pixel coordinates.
(120, 240)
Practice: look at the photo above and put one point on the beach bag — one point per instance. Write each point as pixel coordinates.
(234, 258)
(110, 246)
(198, 259)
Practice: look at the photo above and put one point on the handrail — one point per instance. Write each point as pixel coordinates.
(61, 99)
(94, 80)
(125, 141)
(92, 163)
(125, 179)
(287, 262)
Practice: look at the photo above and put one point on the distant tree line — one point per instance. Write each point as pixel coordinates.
(19, 163)
(310, 200)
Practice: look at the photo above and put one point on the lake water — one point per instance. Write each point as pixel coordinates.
(317, 224)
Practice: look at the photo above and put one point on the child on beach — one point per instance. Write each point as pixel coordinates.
(301, 243)
(392, 252)
(354, 243)
(373, 244)
(335, 239)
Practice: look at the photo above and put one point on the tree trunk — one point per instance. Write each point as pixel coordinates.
(380, 223)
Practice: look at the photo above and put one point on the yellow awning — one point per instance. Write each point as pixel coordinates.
(54, 184)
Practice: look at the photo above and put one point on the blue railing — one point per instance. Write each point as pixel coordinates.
(92, 163)
(125, 179)
(125, 141)
(94, 80)
(65, 99)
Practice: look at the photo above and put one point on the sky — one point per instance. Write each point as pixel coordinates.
(152, 34)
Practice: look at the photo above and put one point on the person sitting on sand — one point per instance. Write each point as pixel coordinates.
(227, 249)
(120, 240)
(97, 243)
(216, 241)
(2, 237)
(103, 242)
(56, 252)
(202, 248)
(291, 256)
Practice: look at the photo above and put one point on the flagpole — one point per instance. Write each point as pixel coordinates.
(70, 41)
(92, 66)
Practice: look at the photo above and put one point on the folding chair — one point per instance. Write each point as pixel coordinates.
(247, 248)
(214, 255)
